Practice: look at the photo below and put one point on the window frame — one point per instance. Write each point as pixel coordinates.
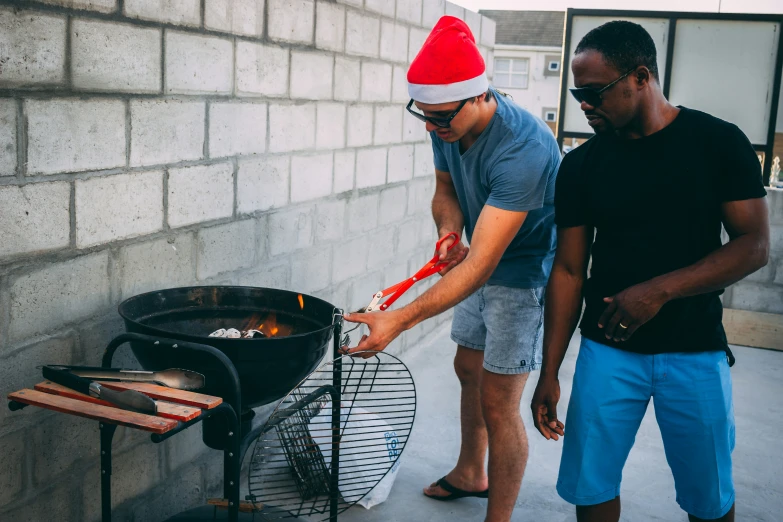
(511, 73)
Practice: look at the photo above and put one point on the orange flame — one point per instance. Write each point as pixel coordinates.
(268, 325)
(301, 301)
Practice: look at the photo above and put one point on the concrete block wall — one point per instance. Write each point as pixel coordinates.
(763, 290)
(148, 144)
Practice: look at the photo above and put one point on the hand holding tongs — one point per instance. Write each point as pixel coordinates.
(394, 292)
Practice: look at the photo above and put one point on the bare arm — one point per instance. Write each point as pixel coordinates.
(747, 223)
(493, 233)
(561, 315)
(445, 205)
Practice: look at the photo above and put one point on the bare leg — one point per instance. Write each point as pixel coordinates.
(469, 473)
(508, 447)
(606, 512)
(728, 517)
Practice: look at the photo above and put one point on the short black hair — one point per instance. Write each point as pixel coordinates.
(624, 45)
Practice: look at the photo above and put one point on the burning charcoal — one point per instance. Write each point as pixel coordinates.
(233, 333)
(253, 334)
(218, 333)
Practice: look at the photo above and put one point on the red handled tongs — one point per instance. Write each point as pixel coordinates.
(394, 292)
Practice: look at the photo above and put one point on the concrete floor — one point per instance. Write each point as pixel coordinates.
(648, 488)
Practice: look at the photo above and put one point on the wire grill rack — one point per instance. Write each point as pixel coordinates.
(361, 410)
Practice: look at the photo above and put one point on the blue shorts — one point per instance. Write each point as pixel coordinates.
(506, 323)
(692, 397)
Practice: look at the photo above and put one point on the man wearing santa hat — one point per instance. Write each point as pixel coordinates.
(495, 167)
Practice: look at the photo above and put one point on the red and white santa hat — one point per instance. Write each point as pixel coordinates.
(449, 66)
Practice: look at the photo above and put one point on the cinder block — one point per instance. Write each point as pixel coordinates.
(35, 218)
(311, 75)
(226, 248)
(400, 85)
(376, 82)
(360, 118)
(420, 193)
(179, 12)
(431, 12)
(415, 41)
(291, 20)
(384, 7)
(60, 442)
(330, 27)
(33, 48)
(407, 237)
(346, 79)
(393, 274)
(757, 297)
(381, 253)
(200, 193)
(166, 131)
(388, 125)
(261, 69)
(12, 462)
(409, 10)
(355, 3)
(344, 163)
(428, 233)
(370, 167)
(778, 270)
(765, 275)
(473, 19)
(66, 135)
(7, 137)
(400, 163)
(262, 183)
(775, 203)
(198, 64)
(455, 10)
(350, 260)
(291, 127)
(363, 290)
(330, 220)
(362, 34)
(311, 176)
(236, 128)
(310, 270)
(245, 17)
(488, 31)
(394, 42)
(776, 239)
(102, 60)
(423, 161)
(363, 213)
(413, 130)
(102, 6)
(268, 277)
(392, 205)
(163, 263)
(48, 298)
(330, 129)
(290, 230)
(118, 207)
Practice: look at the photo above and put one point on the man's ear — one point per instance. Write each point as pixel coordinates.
(643, 76)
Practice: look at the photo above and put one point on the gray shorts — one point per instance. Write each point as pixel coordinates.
(506, 323)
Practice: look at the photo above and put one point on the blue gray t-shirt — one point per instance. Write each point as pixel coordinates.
(512, 166)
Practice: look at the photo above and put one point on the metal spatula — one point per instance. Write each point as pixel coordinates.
(173, 377)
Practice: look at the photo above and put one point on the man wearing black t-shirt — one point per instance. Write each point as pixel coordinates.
(646, 197)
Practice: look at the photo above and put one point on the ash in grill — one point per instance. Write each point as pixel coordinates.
(233, 333)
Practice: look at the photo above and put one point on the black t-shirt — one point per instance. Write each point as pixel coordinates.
(655, 203)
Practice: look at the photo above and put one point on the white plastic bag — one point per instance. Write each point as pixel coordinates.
(386, 450)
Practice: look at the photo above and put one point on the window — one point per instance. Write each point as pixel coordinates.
(549, 115)
(552, 65)
(511, 73)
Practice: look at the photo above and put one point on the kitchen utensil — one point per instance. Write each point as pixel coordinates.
(173, 377)
(128, 399)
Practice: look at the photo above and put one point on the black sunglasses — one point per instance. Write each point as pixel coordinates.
(593, 96)
(443, 123)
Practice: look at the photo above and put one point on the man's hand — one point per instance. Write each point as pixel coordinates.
(384, 328)
(630, 309)
(454, 256)
(544, 407)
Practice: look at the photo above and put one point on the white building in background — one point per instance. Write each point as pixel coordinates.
(528, 53)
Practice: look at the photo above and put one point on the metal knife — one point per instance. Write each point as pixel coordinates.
(127, 400)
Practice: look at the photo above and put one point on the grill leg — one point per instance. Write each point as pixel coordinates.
(107, 434)
(334, 491)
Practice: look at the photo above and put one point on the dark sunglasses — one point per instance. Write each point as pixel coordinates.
(443, 123)
(593, 97)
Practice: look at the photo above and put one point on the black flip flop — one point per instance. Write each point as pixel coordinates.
(455, 493)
